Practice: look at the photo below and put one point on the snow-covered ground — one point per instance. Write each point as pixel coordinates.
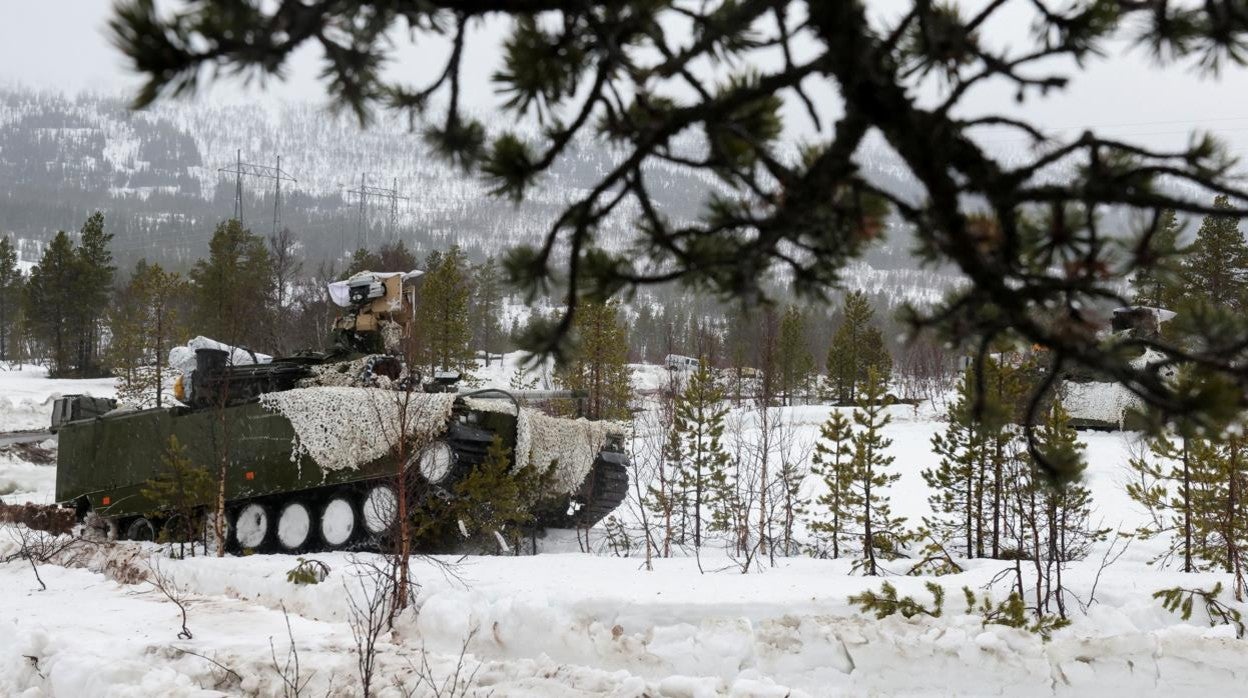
(566, 623)
(26, 395)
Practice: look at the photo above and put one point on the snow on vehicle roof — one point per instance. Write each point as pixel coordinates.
(339, 291)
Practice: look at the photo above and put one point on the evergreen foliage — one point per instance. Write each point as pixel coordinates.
(182, 491)
(230, 288)
(487, 308)
(1216, 268)
(700, 459)
(1166, 494)
(833, 463)
(93, 290)
(794, 363)
(51, 303)
(882, 533)
(145, 321)
(857, 348)
(1161, 285)
(442, 331)
(491, 506)
(1180, 600)
(11, 285)
(599, 363)
(886, 602)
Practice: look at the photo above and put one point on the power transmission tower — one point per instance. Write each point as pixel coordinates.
(364, 192)
(277, 174)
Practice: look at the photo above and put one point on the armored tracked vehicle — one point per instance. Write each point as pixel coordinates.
(310, 445)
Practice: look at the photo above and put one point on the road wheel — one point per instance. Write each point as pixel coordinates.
(141, 529)
(294, 527)
(252, 527)
(436, 463)
(339, 521)
(379, 509)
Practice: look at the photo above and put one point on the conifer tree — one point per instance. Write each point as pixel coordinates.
(181, 490)
(442, 331)
(1167, 494)
(51, 304)
(794, 364)
(857, 347)
(702, 461)
(145, 322)
(957, 488)
(1066, 508)
(92, 290)
(1216, 268)
(11, 284)
(970, 499)
(1220, 513)
(230, 288)
(362, 260)
(487, 308)
(599, 364)
(882, 533)
(1161, 286)
(833, 463)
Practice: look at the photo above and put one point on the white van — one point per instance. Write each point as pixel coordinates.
(676, 362)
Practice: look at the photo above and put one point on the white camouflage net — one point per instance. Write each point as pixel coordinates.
(572, 444)
(343, 427)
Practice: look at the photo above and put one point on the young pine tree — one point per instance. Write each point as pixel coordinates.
(1167, 494)
(182, 492)
(1220, 513)
(832, 463)
(702, 461)
(794, 364)
(230, 289)
(10, 297)
(857, 347)
(145, 321)
(599, 364)
(442, 326)
(1161, 285)
(487, 308)
(1065, 508)
(882, 533)
(956, 484)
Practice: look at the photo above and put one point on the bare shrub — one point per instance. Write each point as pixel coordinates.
(370, 611)
(454, 684)
(289, 670)
(164, 582)
(39, 547)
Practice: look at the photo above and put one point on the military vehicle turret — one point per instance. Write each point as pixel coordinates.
(1096, 402)
(308, 444)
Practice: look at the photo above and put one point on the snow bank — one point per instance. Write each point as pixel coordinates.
(342, 427)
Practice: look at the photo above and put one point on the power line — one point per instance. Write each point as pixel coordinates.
(364, 193)
(277, 174)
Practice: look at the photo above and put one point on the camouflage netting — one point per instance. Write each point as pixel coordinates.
(345, 427)
(571, 444)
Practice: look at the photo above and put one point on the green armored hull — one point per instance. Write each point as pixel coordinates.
(317, 468)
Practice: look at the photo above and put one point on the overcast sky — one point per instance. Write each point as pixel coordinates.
(61, 44)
